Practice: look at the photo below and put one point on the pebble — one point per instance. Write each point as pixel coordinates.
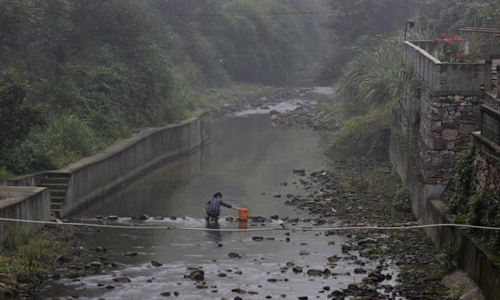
(234, 255)
(122, 279)
(155, 263)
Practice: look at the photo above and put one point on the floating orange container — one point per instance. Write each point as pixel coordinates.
(243, 213)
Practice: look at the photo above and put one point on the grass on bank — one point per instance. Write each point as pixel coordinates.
(31, 257)
(392, 196)
(4, 173)
(365, 96)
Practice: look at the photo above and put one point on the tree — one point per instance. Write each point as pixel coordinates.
(16, 120)
(353, 19)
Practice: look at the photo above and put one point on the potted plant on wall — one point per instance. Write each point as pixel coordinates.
(450, 49)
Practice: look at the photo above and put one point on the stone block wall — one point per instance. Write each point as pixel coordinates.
(437, 126)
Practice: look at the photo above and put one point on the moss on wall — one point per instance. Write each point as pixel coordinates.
(474, 194)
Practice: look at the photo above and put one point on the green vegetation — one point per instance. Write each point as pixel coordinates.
(445, 262)
(30, 257)
(5, 174)
(352, 21)
(463, 185)
(77, 75)
(456, 291)
(367, 65)
(474, 194)
(382, 186)
(366, 93)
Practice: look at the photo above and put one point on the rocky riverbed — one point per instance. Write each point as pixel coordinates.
(357, 203)
(304, 114)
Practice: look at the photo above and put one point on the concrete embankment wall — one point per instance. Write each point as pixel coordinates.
(22, 202)
(99, 175)
(429, 209)
(96, 176)
(25, 180)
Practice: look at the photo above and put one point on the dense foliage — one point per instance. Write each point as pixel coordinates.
(434, 17)
(76, 75)
(474, 194)
(365, 95)
(351, 21)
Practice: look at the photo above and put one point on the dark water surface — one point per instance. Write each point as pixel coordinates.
(248, 161)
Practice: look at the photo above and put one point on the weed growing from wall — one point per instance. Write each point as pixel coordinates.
(474, 195)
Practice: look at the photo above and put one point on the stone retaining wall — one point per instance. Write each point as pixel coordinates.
(437, 126)
(439, 108)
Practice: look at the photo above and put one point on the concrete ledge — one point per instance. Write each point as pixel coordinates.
(27, 203)
(473, 258)
(24, 180)
(459, 78)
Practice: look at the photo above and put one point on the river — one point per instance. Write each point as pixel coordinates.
(249, 161)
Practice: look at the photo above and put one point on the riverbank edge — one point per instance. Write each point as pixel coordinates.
(429, 208)
(94, 177)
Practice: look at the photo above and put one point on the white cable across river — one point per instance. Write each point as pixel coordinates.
(280, 228)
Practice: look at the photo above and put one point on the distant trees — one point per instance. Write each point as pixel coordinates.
(103, 68)
(449, 15)
(352, 20)
(15, 118)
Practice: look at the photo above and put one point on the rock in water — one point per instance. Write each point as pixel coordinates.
(314, 272)
(197, 275)
(234, 255)
(156, 263)
(143, 217)
(122, 279)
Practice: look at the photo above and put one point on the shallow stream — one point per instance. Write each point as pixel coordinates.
(249, 161)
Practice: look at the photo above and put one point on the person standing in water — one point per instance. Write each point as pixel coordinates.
(213, 207)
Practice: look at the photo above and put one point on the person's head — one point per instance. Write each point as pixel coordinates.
(218, 195)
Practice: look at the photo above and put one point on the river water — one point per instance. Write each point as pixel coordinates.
(249, 161)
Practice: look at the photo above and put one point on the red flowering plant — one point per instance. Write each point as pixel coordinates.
(451, 49)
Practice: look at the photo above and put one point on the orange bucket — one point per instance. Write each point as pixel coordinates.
(243, 213)
(243, 225)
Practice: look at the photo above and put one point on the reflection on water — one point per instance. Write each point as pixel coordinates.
(248, 161)
(214, 235)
